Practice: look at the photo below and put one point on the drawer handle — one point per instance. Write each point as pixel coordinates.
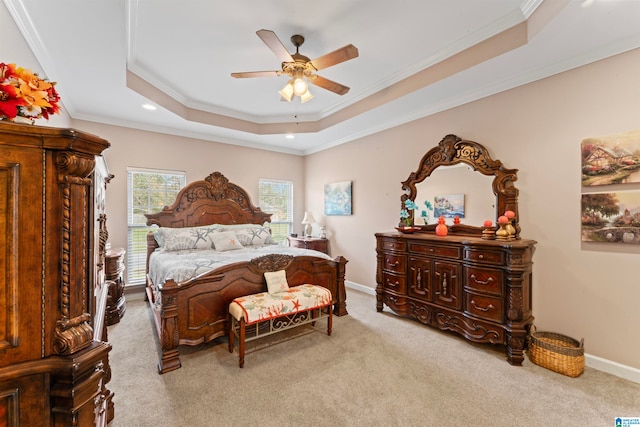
(396, 284)
(393, 264)
(431, 249)
(489, 307)
(480, 256)
(480, 282)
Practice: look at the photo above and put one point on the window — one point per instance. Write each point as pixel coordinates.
(276, 197)
(148, 191)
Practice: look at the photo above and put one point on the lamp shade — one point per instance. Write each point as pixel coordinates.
(286, 93)
(305, 97)
(299, 86)
(308, 218)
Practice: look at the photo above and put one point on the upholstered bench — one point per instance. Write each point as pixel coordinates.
(256, 316)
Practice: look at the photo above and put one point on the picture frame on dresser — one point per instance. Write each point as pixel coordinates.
(466, 282)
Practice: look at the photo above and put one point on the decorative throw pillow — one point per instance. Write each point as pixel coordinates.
(236, 227)
(254, 236)
(276, 281)
(175, 239)
(226, 241)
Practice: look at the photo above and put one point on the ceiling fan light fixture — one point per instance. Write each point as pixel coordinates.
(305, 97)
(300, 86)
(286, 94)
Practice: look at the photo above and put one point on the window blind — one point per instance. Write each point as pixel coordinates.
(148, 191)
(276, 197)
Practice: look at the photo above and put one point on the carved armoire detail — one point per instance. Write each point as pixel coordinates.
(54, 363)
(465, 283)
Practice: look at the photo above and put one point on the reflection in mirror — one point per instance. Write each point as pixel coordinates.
(462, 167)
(460, 179)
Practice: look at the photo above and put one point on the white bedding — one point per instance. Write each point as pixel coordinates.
(185, 265)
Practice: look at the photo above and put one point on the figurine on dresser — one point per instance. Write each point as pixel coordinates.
(458, 277)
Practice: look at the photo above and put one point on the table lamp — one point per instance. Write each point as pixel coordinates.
(307, 221)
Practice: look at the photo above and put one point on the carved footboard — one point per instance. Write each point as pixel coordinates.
(197, 311)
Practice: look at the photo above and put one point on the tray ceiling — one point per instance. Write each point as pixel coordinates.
(416, 58)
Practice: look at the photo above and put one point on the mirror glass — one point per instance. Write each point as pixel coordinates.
(448, 186)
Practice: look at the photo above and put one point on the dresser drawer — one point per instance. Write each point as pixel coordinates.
(484, 256)
(435, 250)
(484, 279)
(483, 306)
(394, 282)
(393, 245)
(394, 263)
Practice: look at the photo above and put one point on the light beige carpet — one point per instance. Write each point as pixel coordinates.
(375, 369)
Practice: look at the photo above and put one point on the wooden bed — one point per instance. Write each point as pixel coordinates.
(196, 310)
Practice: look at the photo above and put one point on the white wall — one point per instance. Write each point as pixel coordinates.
(584, 290)
(136, 148)
(15, 50)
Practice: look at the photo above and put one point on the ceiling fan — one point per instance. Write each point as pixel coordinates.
(300, 68)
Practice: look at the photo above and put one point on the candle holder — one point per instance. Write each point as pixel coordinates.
(488, 232)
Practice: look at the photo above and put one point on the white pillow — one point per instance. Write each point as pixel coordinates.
(276, 281)
(226, 241)
(236, 227)
(175, 239)
(254, 236)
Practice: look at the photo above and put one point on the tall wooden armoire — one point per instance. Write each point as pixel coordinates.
(53, 366)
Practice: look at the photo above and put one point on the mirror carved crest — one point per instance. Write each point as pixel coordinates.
(452, 150)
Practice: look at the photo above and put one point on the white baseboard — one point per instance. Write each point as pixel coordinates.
(613, 368)
(359, 287)
(595, 362)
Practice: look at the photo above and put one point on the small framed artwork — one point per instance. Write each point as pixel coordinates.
(448, 206)
(611, 217)
(613, 159)
(337, 198)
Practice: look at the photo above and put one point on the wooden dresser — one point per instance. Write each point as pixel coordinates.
(54, 366)
(475, 280)
(478, 288)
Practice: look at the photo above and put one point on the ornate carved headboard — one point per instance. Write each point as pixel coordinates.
(213, 200)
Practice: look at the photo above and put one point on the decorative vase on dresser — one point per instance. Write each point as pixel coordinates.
(54, 364)
(475, 286)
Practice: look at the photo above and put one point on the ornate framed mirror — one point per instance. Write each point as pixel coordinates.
(452, 152)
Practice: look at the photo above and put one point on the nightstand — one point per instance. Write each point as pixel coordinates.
(114, 271)
(314, 243)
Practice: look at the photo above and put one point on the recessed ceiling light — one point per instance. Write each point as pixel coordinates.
(289, 136)
(149, 107)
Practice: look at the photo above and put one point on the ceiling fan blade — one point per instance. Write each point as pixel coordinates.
(247, 74)
(329, 85)
(273, 42)
(337, 56)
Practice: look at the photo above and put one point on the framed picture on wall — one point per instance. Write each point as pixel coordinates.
(611, 217)
(337, 198)
(613, 159)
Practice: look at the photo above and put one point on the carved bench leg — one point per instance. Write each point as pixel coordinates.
(241, 343)
(232, 337)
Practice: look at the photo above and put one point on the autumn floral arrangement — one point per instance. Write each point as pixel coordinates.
(24, 96)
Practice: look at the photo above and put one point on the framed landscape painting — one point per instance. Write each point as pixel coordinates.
(611, 217)
(612, 159)
(337, 198)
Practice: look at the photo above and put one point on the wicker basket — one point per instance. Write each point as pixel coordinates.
(557, 352)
